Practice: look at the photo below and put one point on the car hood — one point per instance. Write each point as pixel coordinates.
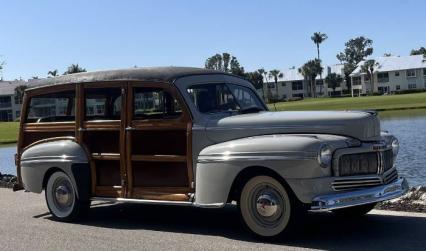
(364, 126)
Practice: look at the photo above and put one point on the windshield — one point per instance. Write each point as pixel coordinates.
(214, 98)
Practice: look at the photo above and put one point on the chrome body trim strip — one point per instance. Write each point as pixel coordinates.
(158, 202)
(257, 156)
(360, 197)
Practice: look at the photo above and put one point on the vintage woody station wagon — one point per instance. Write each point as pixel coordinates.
(196, 137)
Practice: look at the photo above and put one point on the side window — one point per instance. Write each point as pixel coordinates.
(102, 104)
(154, 103)
(54, 107)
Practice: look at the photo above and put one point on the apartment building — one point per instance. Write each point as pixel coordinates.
(294, 85)
(10, 104)
(392, 74)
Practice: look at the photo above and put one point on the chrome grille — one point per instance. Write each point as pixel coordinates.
(365, 163)
(389, 177)
(355, 183)
(358, 164)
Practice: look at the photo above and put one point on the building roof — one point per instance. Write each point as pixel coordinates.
(8, 87)
(166, 74)
(394, 63)
(294, 75)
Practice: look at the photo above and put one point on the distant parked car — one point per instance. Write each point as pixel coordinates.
(197, 137)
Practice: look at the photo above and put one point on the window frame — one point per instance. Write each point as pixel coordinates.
(411, 76)
(381, 79)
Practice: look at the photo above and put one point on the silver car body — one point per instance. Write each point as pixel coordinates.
(285, 143)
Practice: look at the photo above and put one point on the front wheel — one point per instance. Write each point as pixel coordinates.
(266, 207)
(62, 200)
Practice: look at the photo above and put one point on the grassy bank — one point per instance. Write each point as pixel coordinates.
(8, 132)
(381, 103)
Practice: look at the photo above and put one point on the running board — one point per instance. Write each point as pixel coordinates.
(141, 201)
(159, 202)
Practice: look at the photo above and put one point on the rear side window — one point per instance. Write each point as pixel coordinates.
(154, 103)
(103, 104)
(54, 107)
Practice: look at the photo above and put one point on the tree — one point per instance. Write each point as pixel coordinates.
(420, 51)
(226, 63)
(53, 73)
(368, 68)
(275, 74)
(357, 49)
(255, 78)
(310, 70)
(333, 80)
(318, 38)
(74, 68)
(19, 93)
(262, 72)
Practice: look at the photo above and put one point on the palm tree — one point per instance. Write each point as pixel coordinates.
(263, 72)
(276, 74)
(368, 68)
(19, 93)
(53, 73)
(333, 80)
(74, 68)
(318, 38)
(310, 70)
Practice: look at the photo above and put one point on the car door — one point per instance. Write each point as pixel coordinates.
(158, 143)
(101, 130)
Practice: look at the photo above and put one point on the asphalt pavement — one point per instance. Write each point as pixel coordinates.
(25, 224)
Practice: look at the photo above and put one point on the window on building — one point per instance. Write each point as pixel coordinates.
(366, 78)
(412, 86)
(356, 80)
(397, 74)
(17, 114)
(411, 73)
(297, 85)
(383, 77)
(283, 84)
(103, 103)
(319, 82)
(54, 107)
(6, 115)
(424, 71)
(5, 102)
(271, 85)
(154, 103)
(398, 87)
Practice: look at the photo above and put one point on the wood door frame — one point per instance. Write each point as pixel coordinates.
(83, 126)
(184, 122)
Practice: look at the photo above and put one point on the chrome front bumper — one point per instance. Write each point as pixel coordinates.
(360, 197)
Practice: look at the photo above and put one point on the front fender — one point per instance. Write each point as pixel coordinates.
(63, 154)
(293, 157)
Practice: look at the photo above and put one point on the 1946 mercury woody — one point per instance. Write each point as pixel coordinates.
(197, 137)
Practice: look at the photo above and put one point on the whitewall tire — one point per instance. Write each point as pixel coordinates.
(61, 198)
(266, 207)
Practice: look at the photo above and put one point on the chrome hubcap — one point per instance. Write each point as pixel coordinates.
(266, 205)
(62, 195)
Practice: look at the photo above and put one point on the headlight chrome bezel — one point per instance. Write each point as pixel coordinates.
(325, 156)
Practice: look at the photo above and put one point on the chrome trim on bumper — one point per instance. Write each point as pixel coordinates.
(360, 197)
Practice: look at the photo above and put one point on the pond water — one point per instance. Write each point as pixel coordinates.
(409, 126)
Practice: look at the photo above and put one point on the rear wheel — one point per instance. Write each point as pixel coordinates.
(62, 200)
(267, 208)
(355, 211)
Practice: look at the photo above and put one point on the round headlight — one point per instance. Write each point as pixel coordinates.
(324, 156)
(395, 146)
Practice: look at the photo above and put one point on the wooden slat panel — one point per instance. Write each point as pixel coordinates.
(159, 158)
(106, 156)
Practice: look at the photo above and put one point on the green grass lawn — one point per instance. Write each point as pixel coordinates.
(8, 132)
(381, 103)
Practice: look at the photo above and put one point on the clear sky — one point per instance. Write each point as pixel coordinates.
(38, 36)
